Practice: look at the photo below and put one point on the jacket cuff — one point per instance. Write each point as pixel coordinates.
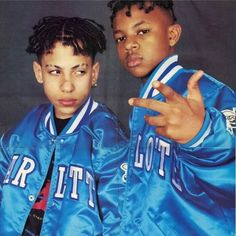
(202, 134)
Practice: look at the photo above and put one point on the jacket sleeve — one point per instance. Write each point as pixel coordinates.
(111, 154)
(207, 163)
(4, 163)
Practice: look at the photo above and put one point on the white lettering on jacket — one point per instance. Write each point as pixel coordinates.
(76, 173)
(61, 187)
(26, 167)
(18, 176)
(146, 159)
(7, 177)
(91, 186)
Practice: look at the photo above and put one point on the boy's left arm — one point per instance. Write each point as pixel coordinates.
(209, 151)
(111, 177)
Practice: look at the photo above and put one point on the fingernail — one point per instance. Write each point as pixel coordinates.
(155, 84)
(201, 72)
(131, 101)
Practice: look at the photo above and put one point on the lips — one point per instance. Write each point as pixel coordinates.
(67, 102)
(133, 60)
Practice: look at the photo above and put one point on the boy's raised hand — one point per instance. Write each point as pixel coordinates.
(180, 118)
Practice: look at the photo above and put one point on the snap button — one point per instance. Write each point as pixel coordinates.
(31, 198)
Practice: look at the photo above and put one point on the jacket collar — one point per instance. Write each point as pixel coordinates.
(163, 73)
(74, 124)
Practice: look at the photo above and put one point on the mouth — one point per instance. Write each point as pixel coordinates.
(67, 102)
(133, 60)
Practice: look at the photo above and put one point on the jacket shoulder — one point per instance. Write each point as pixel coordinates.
(29, 122)
(103, 114)
(209, 86)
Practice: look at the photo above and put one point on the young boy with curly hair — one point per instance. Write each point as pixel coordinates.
(62, 168)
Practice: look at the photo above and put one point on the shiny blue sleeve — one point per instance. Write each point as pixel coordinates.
(111, 153)
(4, 162)
(207, 163)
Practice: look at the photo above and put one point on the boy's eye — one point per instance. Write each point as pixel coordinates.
(120, 39)
(79, 72)
(143, 31)
(55, 72)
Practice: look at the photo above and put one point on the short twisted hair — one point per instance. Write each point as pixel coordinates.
(84, 35)
(117, 5)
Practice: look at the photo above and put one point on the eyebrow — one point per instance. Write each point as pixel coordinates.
(74, 67)
(134, 26)
(139, 23)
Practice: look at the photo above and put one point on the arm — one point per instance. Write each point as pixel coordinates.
(186, 120)
(111, 176)
(210, 155)
(205, 142)
(4, 163)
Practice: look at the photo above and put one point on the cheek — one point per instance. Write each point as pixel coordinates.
(82, 86)
(50, 90)
(157, 51)
(120, 52)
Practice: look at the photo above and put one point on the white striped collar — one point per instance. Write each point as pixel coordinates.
(76, 120)
(163, 72)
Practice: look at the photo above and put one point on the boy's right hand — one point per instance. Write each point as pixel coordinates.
(180, 118)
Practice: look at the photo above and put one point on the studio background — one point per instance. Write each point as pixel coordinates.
(207, 42)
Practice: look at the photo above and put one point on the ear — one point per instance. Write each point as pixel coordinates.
(38, 72)
(95, 72)
(174, 34)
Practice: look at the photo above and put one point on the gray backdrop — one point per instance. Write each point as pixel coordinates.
(208, 43)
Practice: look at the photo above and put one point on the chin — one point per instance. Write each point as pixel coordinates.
(139, 74)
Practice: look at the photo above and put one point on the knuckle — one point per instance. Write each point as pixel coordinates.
(169, 132)
(151, 103)
(176, 111)
(171, 92)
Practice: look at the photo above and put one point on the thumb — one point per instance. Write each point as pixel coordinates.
(194, 92)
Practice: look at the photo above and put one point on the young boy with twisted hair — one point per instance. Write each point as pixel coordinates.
(62, 167)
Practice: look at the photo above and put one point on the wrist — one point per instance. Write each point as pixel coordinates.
(201, 134)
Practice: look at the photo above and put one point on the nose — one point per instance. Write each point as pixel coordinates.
(131, 44)
(67, 85)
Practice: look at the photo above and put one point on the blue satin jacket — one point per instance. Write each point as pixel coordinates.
(188, 189)
(88, 175)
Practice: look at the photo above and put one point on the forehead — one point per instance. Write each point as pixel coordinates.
(63, 54)
(157, 15)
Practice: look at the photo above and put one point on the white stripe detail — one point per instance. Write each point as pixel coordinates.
(94, 106)
(167, 77)
(46, 119)
(78, 118)
(51, 128)
(203, 136)
(167, 63)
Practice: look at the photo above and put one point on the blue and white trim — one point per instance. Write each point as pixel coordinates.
(75, 122)
(163, 73)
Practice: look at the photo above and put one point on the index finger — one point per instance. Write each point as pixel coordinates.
(167, 91)
(151, 104)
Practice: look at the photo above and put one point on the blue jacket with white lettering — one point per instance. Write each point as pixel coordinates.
(88, 174)
(188, 189)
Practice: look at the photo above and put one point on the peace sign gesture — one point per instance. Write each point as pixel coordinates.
(180, 118)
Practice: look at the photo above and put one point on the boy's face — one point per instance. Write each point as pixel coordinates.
(66, 78)
(144, 40)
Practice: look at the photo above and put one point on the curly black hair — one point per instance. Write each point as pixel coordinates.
(84, 35)
(117, 5)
